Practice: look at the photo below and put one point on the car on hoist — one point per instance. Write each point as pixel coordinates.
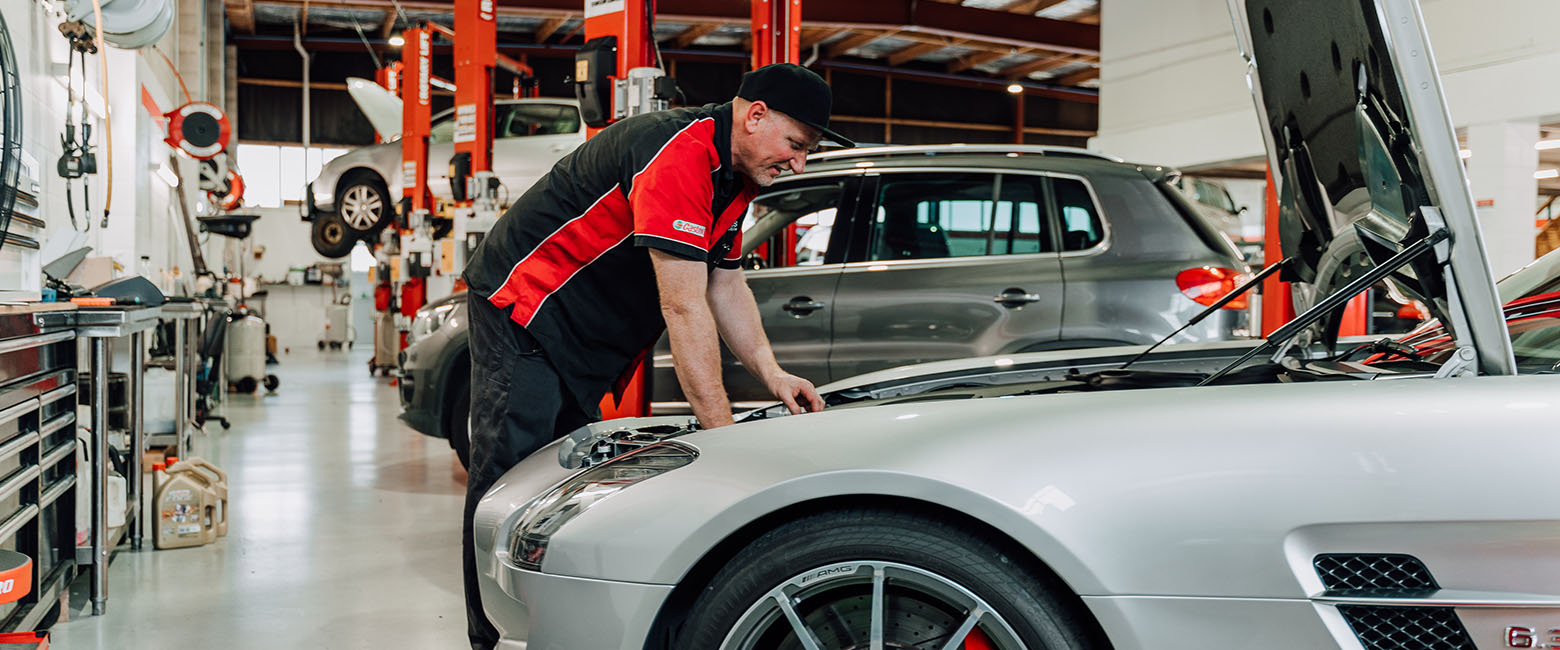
(1237, 494)
(912, 254)
(355, 194)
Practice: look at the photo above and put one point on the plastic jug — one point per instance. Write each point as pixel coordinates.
(216, 480)
(186, 508)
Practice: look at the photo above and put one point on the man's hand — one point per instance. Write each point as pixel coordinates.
(798, 394)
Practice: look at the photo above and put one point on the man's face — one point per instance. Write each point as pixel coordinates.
(773, 144)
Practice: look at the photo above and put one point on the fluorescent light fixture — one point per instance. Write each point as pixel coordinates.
(1015, 88)
(397, 41)
(1546, 173)
(1464, 154)
(1545, 145)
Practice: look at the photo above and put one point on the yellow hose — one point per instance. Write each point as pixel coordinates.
(108, 128)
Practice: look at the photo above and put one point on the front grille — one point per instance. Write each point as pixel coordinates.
(1407, 628)
(1381, 575)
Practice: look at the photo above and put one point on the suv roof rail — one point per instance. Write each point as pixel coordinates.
(934, 149)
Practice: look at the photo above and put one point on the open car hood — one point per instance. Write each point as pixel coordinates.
(1362, 150)
(380, 106)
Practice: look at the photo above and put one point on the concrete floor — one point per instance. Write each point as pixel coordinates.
(344, 532)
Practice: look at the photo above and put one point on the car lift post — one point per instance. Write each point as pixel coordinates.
(777, 38)
(632, 23)
(1278, 305)
(416, 85)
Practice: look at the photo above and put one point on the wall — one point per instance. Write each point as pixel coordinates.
(1173, 85)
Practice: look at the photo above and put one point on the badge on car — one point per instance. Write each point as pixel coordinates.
(1527, 637)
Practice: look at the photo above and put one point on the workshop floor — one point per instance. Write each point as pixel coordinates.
(344, 532)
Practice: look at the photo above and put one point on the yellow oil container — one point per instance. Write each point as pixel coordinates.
(190, 505)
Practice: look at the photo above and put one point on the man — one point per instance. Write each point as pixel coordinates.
(636, 232)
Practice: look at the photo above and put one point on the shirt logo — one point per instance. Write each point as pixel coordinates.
(688, 227)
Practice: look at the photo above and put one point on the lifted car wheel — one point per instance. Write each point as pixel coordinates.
(330, 236)
(844, 579)
(363, 202)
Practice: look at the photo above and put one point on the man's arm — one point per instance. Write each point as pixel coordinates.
(691, 327)
(736, 316)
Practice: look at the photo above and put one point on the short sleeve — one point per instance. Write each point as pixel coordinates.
(670, 195)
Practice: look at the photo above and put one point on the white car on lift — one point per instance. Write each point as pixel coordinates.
(355, 194)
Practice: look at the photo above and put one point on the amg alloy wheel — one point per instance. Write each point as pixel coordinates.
(883, 580)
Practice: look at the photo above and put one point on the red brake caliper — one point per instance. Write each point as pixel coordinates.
(977, 641)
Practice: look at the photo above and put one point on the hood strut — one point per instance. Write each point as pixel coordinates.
(1336, 300)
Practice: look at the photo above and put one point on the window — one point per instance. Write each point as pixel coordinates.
(1214, 195)
(1080, 219)
(519, 120)
(1021, 195)
(274, 174)
(811, 209)
(929, 217)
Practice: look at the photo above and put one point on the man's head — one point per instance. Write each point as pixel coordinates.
(779, 115)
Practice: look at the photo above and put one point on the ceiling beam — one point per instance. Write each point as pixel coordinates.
(814, 35)
(1030, 7)
(976, 59)
(907, 54)
(548, 27)
(927, 18)
(388, 28)
(694, 33)
(1075, 78)
(1043, 63)
(840, 47)
(241, 15)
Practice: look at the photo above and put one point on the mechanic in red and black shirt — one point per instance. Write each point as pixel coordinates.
(635, 233)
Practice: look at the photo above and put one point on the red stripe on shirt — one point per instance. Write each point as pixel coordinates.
(563, 254)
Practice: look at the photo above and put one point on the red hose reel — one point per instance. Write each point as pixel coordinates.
(198, 129)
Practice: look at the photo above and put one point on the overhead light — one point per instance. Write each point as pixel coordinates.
(397, 41)
(1464, 153)
(1015, 88)
(1546, 173)
(1544, 145)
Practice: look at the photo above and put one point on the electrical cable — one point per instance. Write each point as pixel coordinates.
(187, 97)
(108, 128)
(10, 128)
(359, 28)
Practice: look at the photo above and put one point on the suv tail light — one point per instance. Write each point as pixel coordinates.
(1207, 284)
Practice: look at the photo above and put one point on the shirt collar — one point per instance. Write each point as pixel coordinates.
(722, 115)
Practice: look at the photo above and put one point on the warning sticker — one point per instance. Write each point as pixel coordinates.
(604, 7)
(466, 123)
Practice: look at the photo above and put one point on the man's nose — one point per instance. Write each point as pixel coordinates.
(798, 162)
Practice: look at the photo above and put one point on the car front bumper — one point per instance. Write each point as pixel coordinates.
(539, 610)
(418, 408)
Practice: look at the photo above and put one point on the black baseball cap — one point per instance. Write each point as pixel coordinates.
(795, 91)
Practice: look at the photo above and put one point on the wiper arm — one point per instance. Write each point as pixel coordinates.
(1213, 308)
(1336, 300)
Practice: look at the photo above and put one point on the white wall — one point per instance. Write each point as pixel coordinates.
(1173, 86)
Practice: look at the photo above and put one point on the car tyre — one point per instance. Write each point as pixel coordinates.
(457, 424)
(825, 567)
(363, 203)
(330, 236)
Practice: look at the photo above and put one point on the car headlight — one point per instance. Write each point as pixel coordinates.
(428, 321)
(544, 516)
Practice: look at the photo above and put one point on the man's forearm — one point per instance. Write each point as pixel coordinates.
(736, 315)
(696, 348)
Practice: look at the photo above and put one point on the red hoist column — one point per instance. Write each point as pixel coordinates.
(1278, 305)
(475, 53)
(416, 117)
(632, 22)
(777, 38)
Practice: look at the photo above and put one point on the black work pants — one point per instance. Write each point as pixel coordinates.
(518, 404)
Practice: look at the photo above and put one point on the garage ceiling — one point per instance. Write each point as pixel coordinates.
(1050, 43)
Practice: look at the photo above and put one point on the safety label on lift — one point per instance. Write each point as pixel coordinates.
(408, 173)
(604, 7)
(466, 123)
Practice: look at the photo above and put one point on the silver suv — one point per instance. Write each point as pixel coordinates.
(903, 255)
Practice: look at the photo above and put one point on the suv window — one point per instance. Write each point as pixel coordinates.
(1082, 228)
(520, 120)
(927, 217)
(442, 130)
(811, 208)
(1023, 195)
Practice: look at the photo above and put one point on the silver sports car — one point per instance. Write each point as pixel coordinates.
(1285, 493)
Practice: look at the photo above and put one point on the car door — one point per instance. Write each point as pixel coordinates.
(795, 303)
(954, 264)
(529, 138)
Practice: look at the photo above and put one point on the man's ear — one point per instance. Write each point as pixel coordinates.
(756, 112)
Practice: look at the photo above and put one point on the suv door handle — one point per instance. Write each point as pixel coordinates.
(1015, 298)
(801, 306)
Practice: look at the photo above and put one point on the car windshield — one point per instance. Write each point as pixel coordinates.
(1532, 311)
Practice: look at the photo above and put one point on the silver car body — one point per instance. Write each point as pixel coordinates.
(1182, 518)
(518, 161)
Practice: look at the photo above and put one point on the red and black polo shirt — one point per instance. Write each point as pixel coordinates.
(570, 255)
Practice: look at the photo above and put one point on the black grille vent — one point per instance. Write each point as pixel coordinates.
(1373, 574)
(1407, 628)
